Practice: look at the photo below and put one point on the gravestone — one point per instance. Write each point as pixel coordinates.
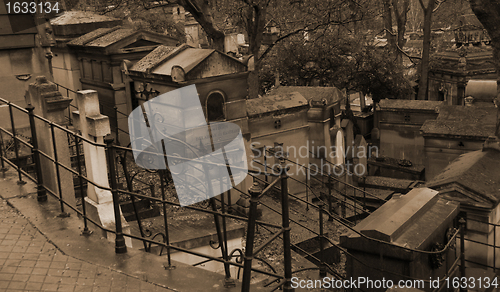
(50, 104)
(360, 156)
(348, 127)
(94, 126)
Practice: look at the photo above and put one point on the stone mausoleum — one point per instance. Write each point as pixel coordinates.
(470, 58)
(386, 244)
(472, 180)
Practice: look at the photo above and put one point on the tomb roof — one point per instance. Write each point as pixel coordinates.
(409, 220)
(456, 121)
(403, 104)
(315, 93)
(73, 24)
(474, 175)
(268, 104)
(187, 58)
(120, 39)
(468, 22)
(188, 63)
(153, 59)
(78, 17)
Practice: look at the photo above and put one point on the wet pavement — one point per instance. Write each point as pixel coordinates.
(30, 262)
(41, 251)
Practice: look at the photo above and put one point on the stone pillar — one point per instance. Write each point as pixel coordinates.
(94, 126)
(50, 104)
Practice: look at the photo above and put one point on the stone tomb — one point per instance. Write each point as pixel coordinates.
(418, 220)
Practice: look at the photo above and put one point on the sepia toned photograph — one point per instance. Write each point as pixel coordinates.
(250, 145)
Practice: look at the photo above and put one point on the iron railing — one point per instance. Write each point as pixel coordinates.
(108, 109)
(219, 209)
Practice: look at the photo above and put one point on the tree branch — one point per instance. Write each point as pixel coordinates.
(304, 29)
(401, 50)
(423, 5)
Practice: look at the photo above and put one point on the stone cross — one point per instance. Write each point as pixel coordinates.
(94, 126)
(50, 104)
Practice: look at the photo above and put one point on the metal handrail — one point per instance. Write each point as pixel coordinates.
(222, 214)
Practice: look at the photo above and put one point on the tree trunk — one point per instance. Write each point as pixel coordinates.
(387, 16)
(424, 68)
(401, 13)
(201, 11)
(256, 22)
(488, 13)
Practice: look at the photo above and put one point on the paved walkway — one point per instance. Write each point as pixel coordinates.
(41, 251)
(29, 262)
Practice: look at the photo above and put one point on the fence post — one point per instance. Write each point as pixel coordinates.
(330, 198)
(322, 268)
(255, 192)
(117, 129)
(165, 220)
(494, 248)
(86, 230)
(462, 250)
(120, 246)
(41, 192)
(16, 146)
(287, 252)
(307, 187)
(4, 169)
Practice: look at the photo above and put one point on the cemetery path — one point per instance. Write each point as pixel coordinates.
(29, 262)
(41, 251)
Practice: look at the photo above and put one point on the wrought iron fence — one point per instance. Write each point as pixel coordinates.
(219, 207)
(488, 246)
(112, 112)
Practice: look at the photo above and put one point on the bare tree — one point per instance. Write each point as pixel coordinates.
(398, 10)
(488, 13)
(201, 10)
(426, 48)
(293, 17)
(429, 9)
(401, 8)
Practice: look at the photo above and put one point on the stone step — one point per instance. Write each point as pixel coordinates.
(388, 183)
(311, 250)
(142, 214)
(374, 195)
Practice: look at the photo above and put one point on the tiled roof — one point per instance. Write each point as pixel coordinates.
(477, 172)
(316, 93)
(403, 104)
(187, 59)
(277, 102)
(152, 59)
(463, 121)
(78, 17)
(93, 35)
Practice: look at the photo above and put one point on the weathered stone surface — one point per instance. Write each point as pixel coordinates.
(281, 103)
(99, 201)
(459, 121)
(50, 104)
